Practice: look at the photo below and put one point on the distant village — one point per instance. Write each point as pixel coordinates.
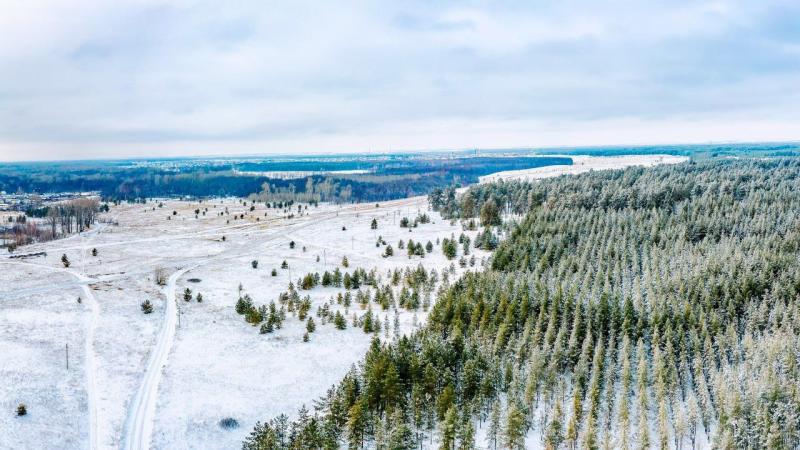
(30, 217)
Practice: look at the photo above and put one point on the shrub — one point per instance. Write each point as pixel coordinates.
(22, 410)
(310, 325)
(274, 272)
(254, 263)
(229, 423)
(147, 307)
(65, 260)
(160, 276)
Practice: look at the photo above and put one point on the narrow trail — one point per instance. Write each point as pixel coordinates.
(91, 366)
(141, 412)
(89, 355)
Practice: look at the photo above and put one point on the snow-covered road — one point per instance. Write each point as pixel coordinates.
(91, 302)
(141, 412)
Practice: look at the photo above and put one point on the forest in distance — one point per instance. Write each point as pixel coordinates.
(638, 308)
(337, 178)
(342, 178)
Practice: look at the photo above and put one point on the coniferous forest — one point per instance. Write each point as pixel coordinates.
(643, 308)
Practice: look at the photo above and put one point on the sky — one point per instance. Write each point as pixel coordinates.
(82, 79)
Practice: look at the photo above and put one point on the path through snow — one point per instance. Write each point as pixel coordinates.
(139, 426)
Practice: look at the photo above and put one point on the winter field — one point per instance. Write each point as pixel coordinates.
(215, 365)
(581, 164)
(96, 372)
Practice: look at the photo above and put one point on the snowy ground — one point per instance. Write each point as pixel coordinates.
(165, 380)
(214, 364)
(581, 164)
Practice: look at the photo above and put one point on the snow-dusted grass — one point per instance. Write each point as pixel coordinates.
(35, 330)
(218, 365)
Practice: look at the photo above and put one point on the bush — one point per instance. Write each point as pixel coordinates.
(65, 260)
(274, 272)
(22, 410)
(160, 276)
(229, 423)
(254, 263)
(310, 325)
(147, 307)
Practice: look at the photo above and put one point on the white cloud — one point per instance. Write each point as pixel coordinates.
(96, 78)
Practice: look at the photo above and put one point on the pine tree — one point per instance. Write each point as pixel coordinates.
(449, 428)
(493, 432)
(466, 434)
(339, 321)
(356, 424)
(65, 260)
(554, 435)
(310, 325)
(514, 432)
(400, 435)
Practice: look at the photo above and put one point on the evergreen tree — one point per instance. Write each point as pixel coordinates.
(493, 432)
(515, 427)
(449, 428)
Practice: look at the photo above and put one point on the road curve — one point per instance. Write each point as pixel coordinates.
(141, 412)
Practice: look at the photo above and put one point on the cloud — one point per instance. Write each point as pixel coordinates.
(89, 78)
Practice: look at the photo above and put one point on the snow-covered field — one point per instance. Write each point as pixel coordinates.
(581, 164)
(166, 379)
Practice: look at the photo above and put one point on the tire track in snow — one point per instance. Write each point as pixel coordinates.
(141, 415)
(89, 363)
